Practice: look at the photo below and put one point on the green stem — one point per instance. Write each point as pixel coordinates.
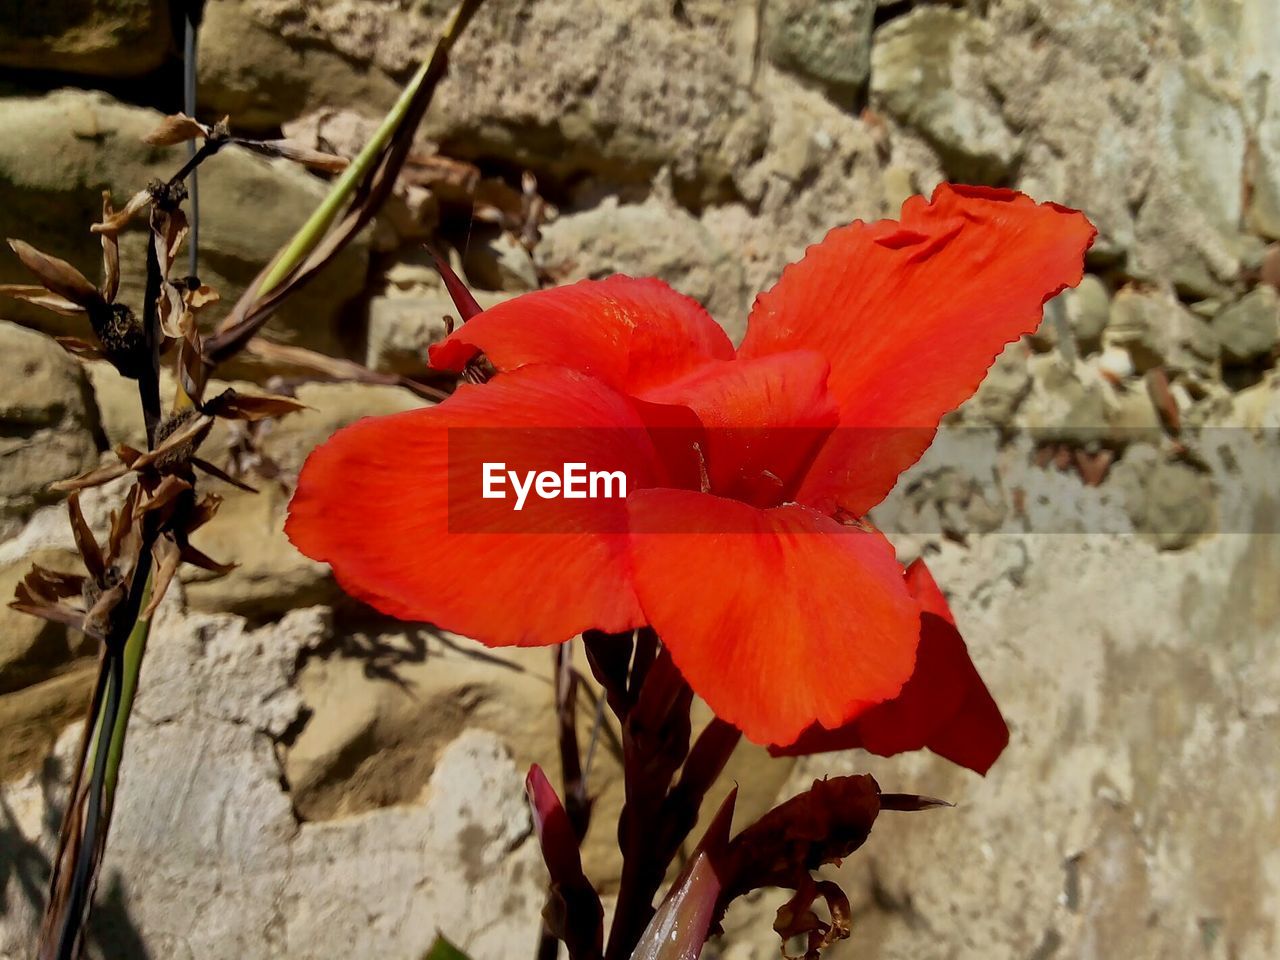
(305, 240)
(134, 648)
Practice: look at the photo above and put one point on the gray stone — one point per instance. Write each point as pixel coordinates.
(1157, 330)
(1067, 400)
(1003, 389)
(1170, 502)
(107, 38)
(1260, 83)
(653, 239)
(48, 422)
(1250, 328)
(828, 43)
(1188, 226)
(499, 263)
(926, 72)
(641, 91)
(250, 70)
(63, 149)
(1130, 733)
(202, 785)
(402, 327)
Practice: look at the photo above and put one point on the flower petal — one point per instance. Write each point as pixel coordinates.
(631, 333)
(395, 505)
(763, 420)
(911, 314)
(944, 707)
(778, 618)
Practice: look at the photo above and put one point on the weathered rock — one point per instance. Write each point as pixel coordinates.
(1171, 502)
(63, 149)
(1002, 390)
(1131, 737)
(401, 327)
(499, 263)
(511, 93)
(1067, 400)
(48, 424)
(1260, 83)
(926, 72)
(1157, 330)
(653, 239)
(1258, 407)
(249, 70)
(829, 43)
(34, 716)
(201, 784)
(1188, 226)
(1251, 327)
(108, 38)
(390, 698)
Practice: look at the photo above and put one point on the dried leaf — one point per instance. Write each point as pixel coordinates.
(292, 150)
(796, 918)
(238, 406)
(333, 368)
(176, 128)
(198, 558)
(31, 293)
(80, 348)
(168, 556)
(176, 446)
(53, 584)
(93, 478)
(122, 523)
(822, 825)
(215, 471)
(58, 276)
(86, 543)
(117, 220)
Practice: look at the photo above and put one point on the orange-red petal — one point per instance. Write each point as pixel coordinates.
(631, 333)
(910, 315)
(394, 504)
(778, 618)
(944, 707)
(762, 421)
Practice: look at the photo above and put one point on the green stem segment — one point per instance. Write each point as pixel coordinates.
(311, 232)
(134, 648)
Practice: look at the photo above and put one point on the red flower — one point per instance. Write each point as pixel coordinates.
(736, 540)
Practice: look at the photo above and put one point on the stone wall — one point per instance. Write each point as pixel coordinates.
(307, 780)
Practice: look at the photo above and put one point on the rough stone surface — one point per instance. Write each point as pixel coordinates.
(828, 43)
(98, 37)
(1250, 328)
(48, 422)
(203, 785)
(926, 73)
(1141, 749)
